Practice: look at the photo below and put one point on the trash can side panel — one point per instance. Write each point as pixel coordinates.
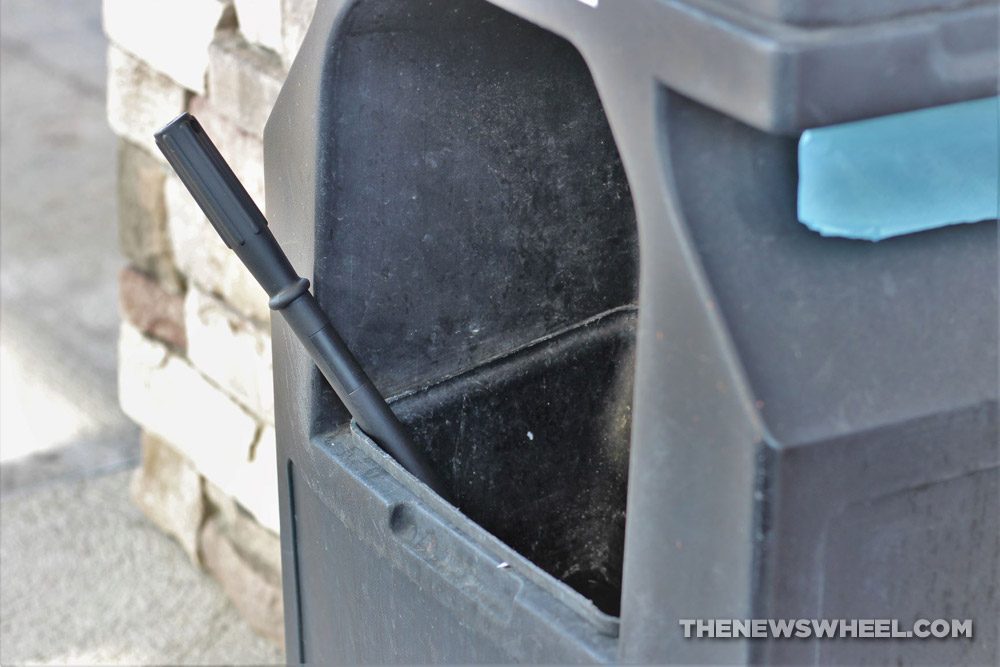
(836, 335)
(694, 461)
(386, 577)
(357, 608)
(896, 523)
(290, 145)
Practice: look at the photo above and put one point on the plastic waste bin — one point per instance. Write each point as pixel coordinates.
(562, 236)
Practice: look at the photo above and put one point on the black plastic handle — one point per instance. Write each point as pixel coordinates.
(242, 226)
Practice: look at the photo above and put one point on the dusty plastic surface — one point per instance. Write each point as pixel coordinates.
(805, 436)
(535, 447)
(823, 13)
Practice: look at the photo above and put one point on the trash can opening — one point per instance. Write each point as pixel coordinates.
(476, 245)
(535, 448)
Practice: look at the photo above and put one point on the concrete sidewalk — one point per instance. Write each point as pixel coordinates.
(59, 255)
(85, 577)
(87, 580)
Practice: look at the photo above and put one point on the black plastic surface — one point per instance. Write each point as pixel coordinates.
(501, 264)
(823, 13)
(471, 199)
(836, 336)
(813, 422)
(490, 239)
(874, 371)
(538, 462)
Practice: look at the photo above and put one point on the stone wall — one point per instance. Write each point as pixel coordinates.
(195, 348)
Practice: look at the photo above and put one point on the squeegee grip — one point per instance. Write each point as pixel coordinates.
(244, 229)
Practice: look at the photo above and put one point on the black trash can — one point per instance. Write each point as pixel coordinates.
(562, 236)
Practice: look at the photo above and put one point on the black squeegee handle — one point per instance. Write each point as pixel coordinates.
(242, 226)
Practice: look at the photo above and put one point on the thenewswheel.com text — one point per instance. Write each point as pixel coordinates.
(837, 628)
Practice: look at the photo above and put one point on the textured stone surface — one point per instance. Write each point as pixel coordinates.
(254, 590)
(243, 151)
(88, 580)
(172, 37)
(251, 538)
(220, 502)
(257, 542)
(140, 99)
(256, 487)
(230, 350)
(167, 488)
(151, 309)
(295, 18)
(253, 488)
(260, 22)
(206, 261)
(243, 81)
(142, 214)
(168, 397)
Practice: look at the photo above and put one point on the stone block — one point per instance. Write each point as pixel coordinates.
(256, 489)
(220, 503)
(142, 217)
(201, 255)
(243, 81)
(140, 100)
(254, 590)
(296, 15)
(230, 350)
(260, 22)
(151, 309)
(253, 487)
(167, 488)
(168, 397)
(172, 37)
(251, 538)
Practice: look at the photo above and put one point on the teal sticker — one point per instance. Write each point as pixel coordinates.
(904, 173)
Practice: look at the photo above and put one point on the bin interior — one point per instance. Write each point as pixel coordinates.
(476, 245)
(535, 449)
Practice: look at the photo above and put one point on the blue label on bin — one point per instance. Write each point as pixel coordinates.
(904, 173)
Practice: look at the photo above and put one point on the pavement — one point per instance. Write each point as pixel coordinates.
(88, 580)
(85, 578)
